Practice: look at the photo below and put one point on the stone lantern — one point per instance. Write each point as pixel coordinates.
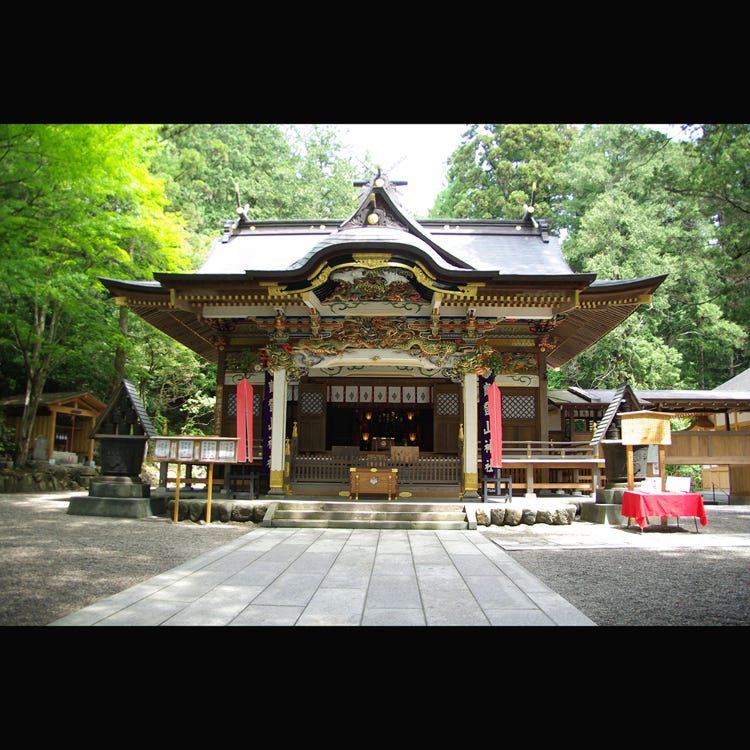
(122, 431)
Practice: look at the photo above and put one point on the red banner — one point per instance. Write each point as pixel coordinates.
(244, 421)
(495, 404)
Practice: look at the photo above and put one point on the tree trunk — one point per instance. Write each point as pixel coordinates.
(37, 369)
(34, 387)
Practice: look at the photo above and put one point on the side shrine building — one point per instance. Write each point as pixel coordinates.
(384, 334)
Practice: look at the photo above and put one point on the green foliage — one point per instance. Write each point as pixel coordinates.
(76, 201)
(324, 187)
(720, 181)
(493, 172)
(628, 217)
(275, 172)
(125, 201)
(677, 424)
(177, 387)
(694, 471)
(81, 201)
(7, 437)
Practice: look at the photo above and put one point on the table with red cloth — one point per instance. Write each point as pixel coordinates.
(641, 505)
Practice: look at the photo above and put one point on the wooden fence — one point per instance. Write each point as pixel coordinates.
(323, 467)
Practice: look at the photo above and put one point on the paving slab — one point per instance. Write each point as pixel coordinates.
(341, 578)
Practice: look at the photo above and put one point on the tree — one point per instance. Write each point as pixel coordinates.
(494, 171)
(630, 203)
(720, 180)
(626, 219)
(276, 172)
(76, 201)
(208, 169)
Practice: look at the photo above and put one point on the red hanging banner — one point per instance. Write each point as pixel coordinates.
(244, 421)
(495, 404)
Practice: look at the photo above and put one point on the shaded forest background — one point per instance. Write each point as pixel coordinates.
(82, 201)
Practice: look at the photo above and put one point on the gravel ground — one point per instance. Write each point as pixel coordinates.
(54, 564)
(619, 576)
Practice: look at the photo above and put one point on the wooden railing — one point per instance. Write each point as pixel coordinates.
(533, 465)
(546, 449)
(548, 465)
(324, 467)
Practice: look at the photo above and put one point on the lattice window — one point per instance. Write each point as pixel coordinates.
(447, 405)
(231, 400)
(311, 403)
(519, 407)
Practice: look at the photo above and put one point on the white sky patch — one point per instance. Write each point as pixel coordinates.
(416, 154)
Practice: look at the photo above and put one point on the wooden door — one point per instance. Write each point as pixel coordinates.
(447, 417)
(311, 413)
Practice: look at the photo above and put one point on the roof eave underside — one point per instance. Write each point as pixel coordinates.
(182, 326)
(593, 320)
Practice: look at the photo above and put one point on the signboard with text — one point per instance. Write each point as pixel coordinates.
(195, 450)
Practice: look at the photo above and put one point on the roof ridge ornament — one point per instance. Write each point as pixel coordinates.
(529, 209)
(380, 178)
(377, 204)
(241, 210)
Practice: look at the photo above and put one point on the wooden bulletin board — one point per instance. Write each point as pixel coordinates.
(646, 428)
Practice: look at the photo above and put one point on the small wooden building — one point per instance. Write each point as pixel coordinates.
(718, 440)
(64, 420)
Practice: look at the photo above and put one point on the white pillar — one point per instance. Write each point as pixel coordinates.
(278, 433)
(471, 435)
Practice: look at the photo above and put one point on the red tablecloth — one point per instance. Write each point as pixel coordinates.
(641, 505)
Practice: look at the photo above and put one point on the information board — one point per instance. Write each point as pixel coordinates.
(196, 450)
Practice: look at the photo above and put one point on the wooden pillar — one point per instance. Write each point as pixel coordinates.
(543, 420)
(530, 494)
(52, 431)
(663, 467)
(219, 406)
(92, 421)
(631, 468)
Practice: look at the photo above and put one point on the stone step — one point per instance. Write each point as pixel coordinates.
(368, 524)
(359, 515)
(368, 507)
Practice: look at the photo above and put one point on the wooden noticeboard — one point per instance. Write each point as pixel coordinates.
(646, 428)
(200, 449)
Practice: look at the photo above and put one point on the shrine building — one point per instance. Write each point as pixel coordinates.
(383, 333)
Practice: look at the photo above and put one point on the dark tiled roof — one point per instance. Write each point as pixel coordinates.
(673, 400)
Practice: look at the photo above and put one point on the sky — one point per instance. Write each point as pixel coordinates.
(413, 153)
